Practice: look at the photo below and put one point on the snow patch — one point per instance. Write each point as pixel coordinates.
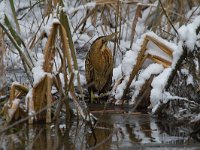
(145, 75)
(38, 72)
(188, 34)
(158, 85)
(81, 7)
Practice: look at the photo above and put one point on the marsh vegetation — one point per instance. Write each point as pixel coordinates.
(154, 74)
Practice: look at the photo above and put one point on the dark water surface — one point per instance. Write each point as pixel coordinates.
(119, 130)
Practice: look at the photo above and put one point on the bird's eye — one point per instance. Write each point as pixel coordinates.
(103, 40)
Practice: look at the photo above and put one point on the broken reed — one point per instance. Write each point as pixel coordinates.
(142, 57)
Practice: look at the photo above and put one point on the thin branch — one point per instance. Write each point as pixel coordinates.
(168, 18)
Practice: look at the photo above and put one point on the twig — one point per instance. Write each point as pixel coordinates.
(192, 14)
(168, 18)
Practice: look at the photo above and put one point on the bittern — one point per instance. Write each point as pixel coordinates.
(99, 66)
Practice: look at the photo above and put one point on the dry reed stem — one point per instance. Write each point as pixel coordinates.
(142, 98)
(138, 14)
(49, 51)
(140, 60)
(49, 99)
(20, 88)
(160, 60)
(161, 45)
(41, 95)
(91, 12)
(66, 52)
(65, 23)
(2, 69)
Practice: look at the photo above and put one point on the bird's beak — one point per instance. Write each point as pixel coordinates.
(110, 37)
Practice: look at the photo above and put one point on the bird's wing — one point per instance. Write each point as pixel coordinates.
(89, 70)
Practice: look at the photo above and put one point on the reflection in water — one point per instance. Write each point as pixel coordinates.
(101, 137)
(115, 131)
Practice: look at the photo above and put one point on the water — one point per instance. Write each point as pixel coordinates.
(114, 131)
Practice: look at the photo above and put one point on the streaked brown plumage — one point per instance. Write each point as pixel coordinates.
(99, 65)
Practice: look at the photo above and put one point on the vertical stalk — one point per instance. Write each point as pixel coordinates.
(65, 22)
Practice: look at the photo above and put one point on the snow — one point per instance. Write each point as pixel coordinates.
(81, 7)
(38, 72)
(12, 110)
(128, 62)
(188, 34)
(185, 71)
(82, 78)
(2, 12)
(172, 46)
(47, 27)
(62, 126)
(117, 73)
(196, 118)
(176, 54)
(120, 89)
(158, 85)
(28, 98)
(144, 76)
(159, 53)
(190, 80)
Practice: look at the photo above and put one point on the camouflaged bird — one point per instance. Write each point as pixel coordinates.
(99, 65)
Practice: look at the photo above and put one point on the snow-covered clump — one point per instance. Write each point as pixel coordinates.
(188, 34)
(119, 91)
(144, 76)
(38, 72)
(117, 73)
(158, 85)
(128, 62)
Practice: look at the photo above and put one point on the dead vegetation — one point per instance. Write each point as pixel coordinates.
(111, 17)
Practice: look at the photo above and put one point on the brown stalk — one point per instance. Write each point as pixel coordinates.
(140, 60)
(142, 100)
(49, 99)
(138, 14)
(65, 23)
(19, 87)
(162, 46)
(160, 60)
(66, 51)
(90, 13)
(49, 51)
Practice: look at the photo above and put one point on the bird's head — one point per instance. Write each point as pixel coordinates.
(101, 42)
